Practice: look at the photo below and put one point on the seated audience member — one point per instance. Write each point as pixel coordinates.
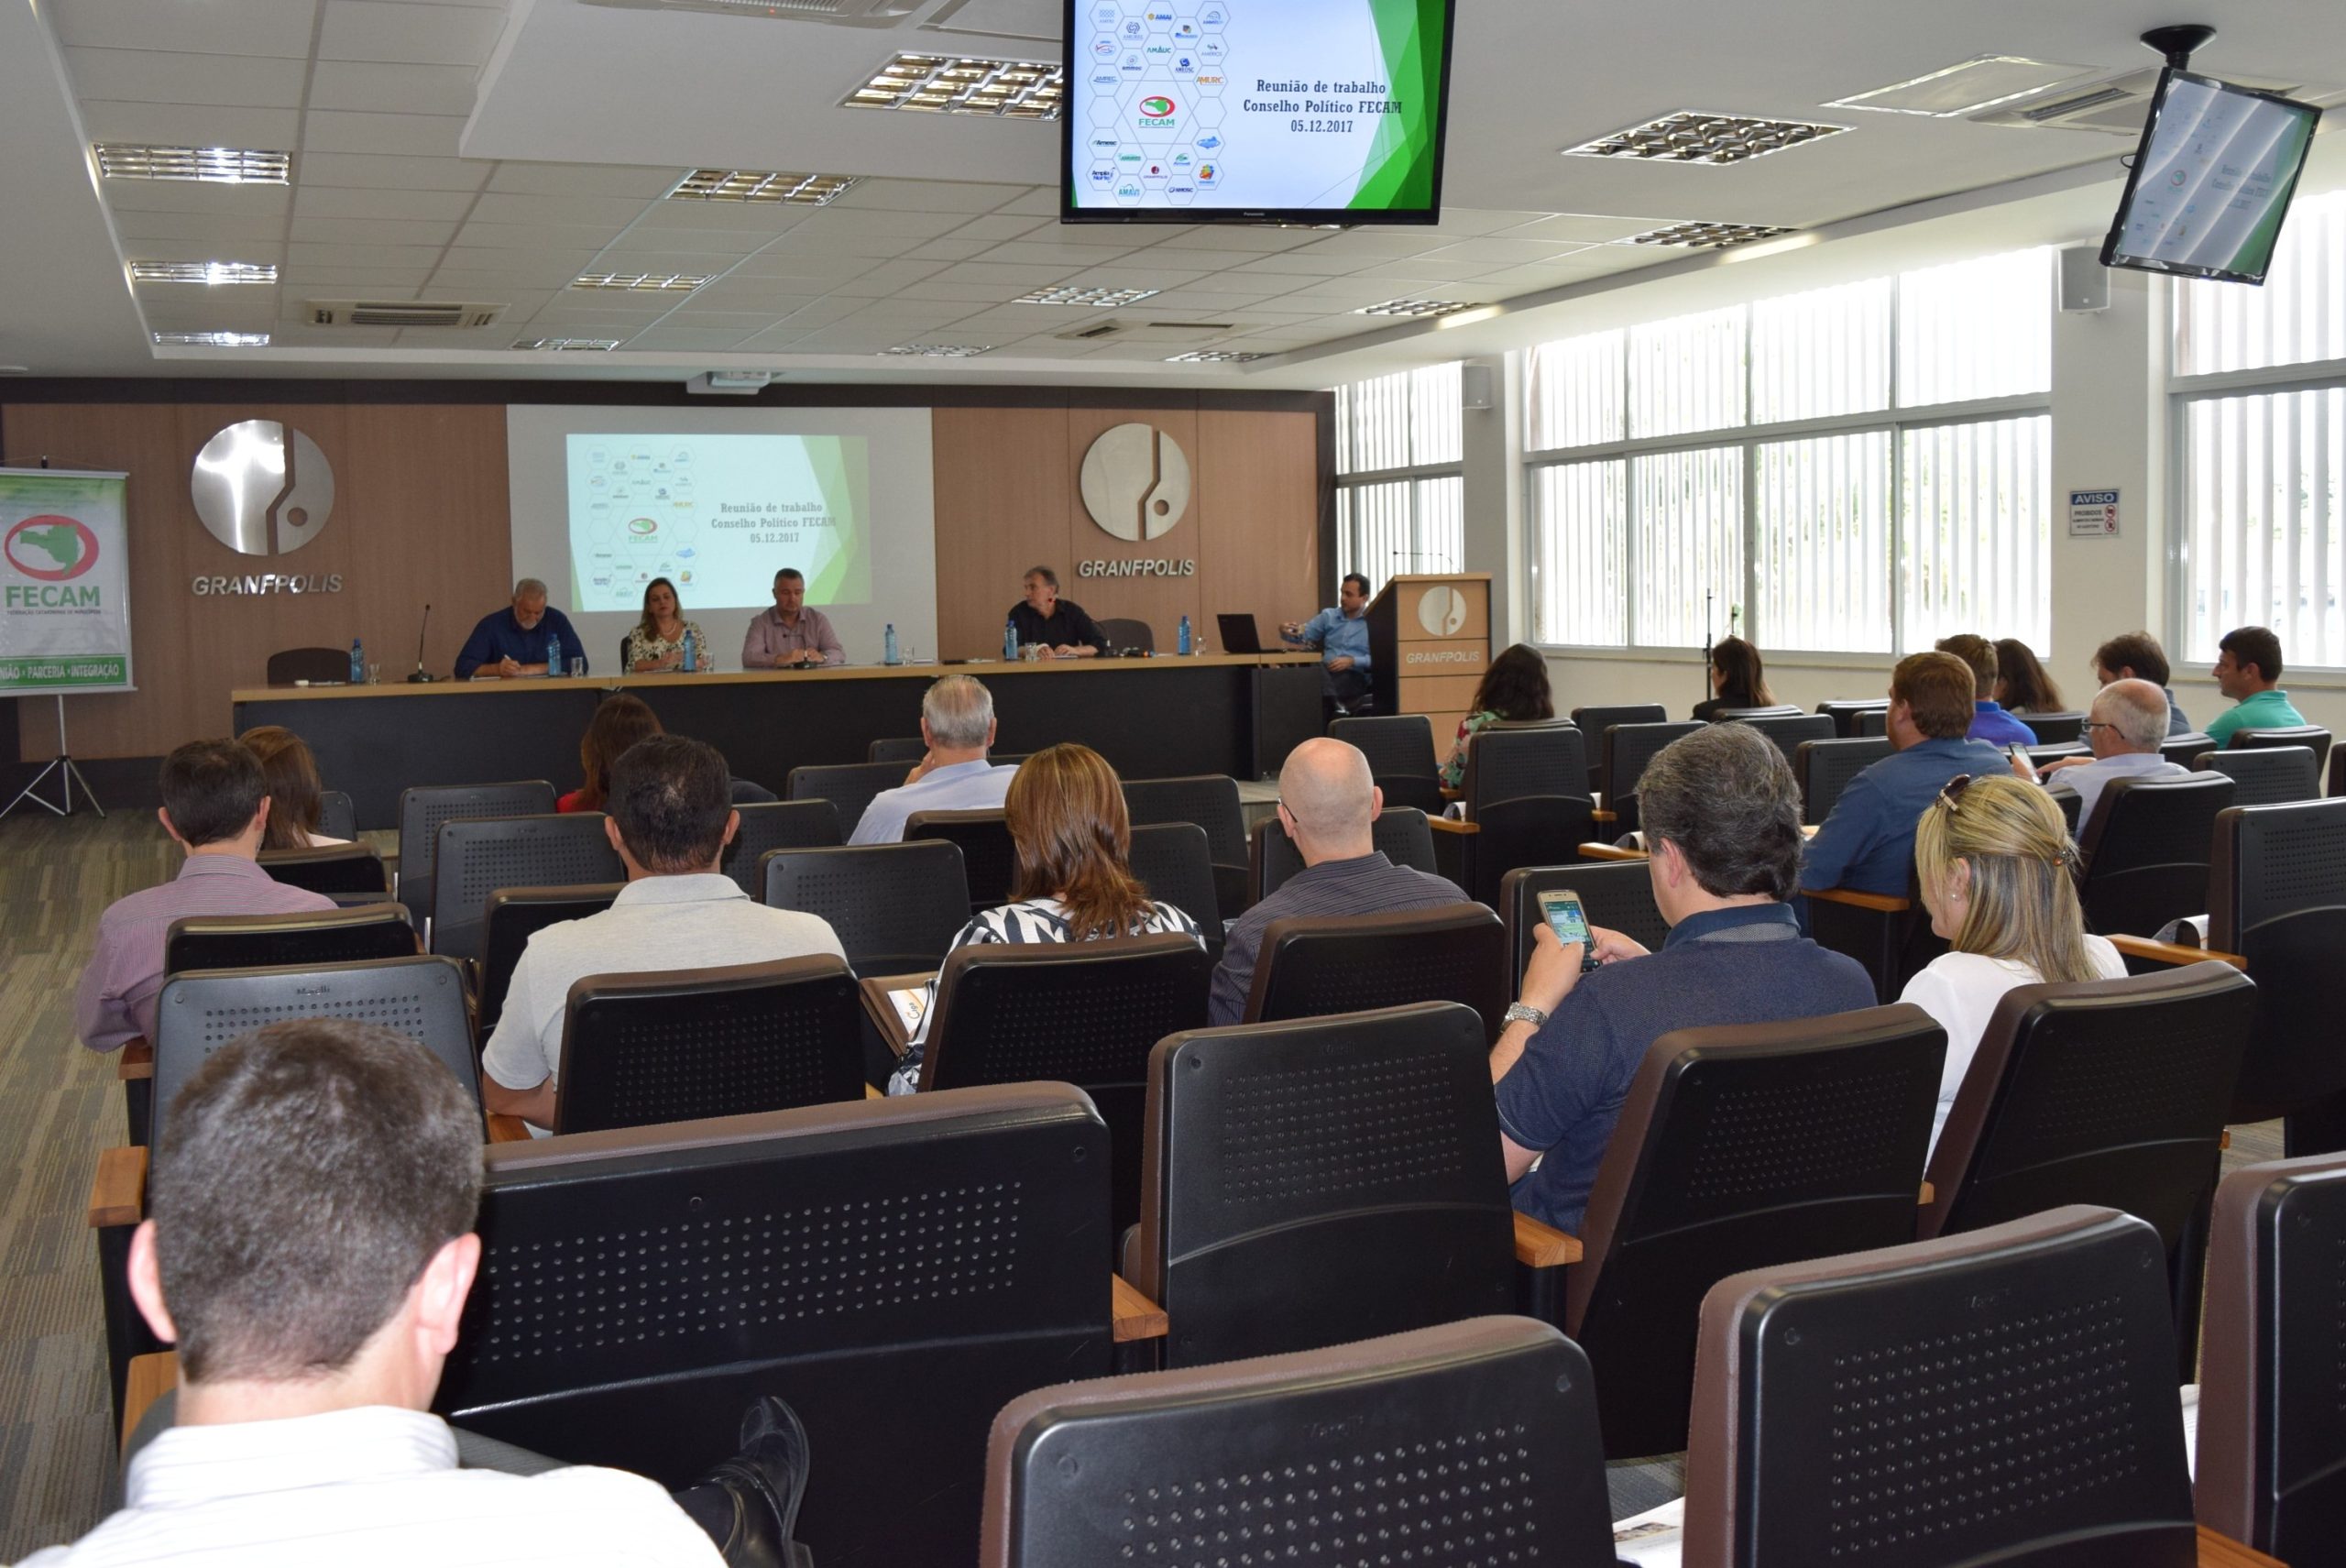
(215, 807)
(2023, 683)
(671, 818)
(2248, 671)
(1989, 723)
(957, 724)
(309, 1250)
(657, 644)
(1327, 802)
(1075, 882)
(1998, 873)
(290, 773)
(511, 643)
(792, 632)
(1738, 679)
(1514, 690)
(620, 721)
(1867, 842)
(2136, 655)
(2124, 726)
(1057, 627)
(1721, 811)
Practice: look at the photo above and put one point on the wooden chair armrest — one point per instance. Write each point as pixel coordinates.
(1133, 1315)
(505, 1129)
(1856, 900)
(872, 1094)
(2223, 1551)
(1928, 1196)
(150, 1376)
(1604, 814)
(1538, 1245)
(1449, 794)
(2172, 952)
(118, 1191)
(1609, 852)
(135, 1060)
(1445, 824)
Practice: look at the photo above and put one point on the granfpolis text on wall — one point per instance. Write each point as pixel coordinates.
(266, 583)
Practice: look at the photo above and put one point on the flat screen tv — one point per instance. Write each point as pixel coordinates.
(2211, 180)
(1254, 110)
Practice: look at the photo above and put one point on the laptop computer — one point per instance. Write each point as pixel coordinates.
(1239, 636)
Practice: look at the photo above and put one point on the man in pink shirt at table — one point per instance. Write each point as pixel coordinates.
(790, 634)
(215, 806)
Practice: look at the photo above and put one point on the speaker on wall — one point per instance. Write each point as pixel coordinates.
(2084, 281)
(1475, 386)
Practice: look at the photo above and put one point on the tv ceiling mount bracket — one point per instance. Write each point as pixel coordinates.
(2179, 43)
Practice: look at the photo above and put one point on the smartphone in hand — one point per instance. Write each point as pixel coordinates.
(2020, 760)
(1570, 922)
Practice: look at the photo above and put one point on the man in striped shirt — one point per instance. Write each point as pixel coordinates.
(1327, 801)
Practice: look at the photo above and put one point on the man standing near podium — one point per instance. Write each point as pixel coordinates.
(1341, 634)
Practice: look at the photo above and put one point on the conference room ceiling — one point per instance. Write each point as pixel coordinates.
(486, 153)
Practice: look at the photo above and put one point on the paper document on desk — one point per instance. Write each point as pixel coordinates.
(1652, 1539)
(910, 1006)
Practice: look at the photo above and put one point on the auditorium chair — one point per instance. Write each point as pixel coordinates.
(2272, 1427)
(1523, 795)
(315, 666)
(2110, 1091)
(476, 856)
(682, 1044)
(309, 937)
(2144, 852)
(1891, 936)
(337, 817)
(902, 750)
(1872, 722)
(1472, 1444)
(1740, 1146)
(1628, 749)
(850, 786)
(1312, 966)
(1765, 710)
(2336, 773)
(423, 808)
(1790, 730)
(344, 868)
(1616, 895)
(1209, 800)
(1825, 767)
(896, 1269)
(1123, 633)
(2311, 735)
(1844, 712)
(1321, 1180)
(1594, 720)
(989, 856)
(894, 907)
(514, 915)
(2266, 775)
(2002, 1398)
(2054, 728)
(2181, 750)
(1399, 749)
(1169, 858)
(776, 824)
(1081, 1013)
(1403, 835)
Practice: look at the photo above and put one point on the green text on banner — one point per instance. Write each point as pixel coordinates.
(64, 583)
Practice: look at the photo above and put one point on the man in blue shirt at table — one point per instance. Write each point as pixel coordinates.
(1341, 634)
(512, 642)
(957, 721)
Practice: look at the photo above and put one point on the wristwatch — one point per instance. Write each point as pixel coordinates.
(1524, 1013)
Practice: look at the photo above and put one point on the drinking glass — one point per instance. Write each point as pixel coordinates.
(374, 674)
(578, 668)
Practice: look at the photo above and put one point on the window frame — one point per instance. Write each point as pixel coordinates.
(1410, 473)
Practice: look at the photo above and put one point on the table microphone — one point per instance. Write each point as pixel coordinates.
(421, 677)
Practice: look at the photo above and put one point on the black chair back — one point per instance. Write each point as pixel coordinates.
(1595, 719)
(1825, 767)
(423, 810)
(2146, 848)
(1524, 796)
(897, 1269)
(1844, 713)
(1310, 1455)
(1628, 749)
(1521, 762)
(1789, 730)
(1312, 967)
(1872, 722)
(1400, 834)
(344, 868)
(202, 1010)
(989, 858)
(2266, 775)
(1767, 710)
(2054, 728)
(1209, 800)
(1399, 749)
(2309, 735)
(2277, 898)
(894, 907)
(1894, 944)
(2186, 748)
(1741, 1146)
(777, 825)
(1123, 633)
(1169, 858)
(850, 786)
(319, 666)
(477, 855)
(1617, 894)
(337, 817)
(1323, 1181)
(898, 749)
(272, 941)
(514, 915)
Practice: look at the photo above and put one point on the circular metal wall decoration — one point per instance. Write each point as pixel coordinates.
(1135, 482)
(1441, 612)
(262, 487)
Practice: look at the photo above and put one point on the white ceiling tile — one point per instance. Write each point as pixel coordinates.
(913, 315)
(1048, 252)
(199, 248)
(275, 27)
(973, 293)
(754, 222)
(613, 212)
(335, 337)
(1376, 247)
(537, 236)
(747, 321)
(731, 246)
(635, 256)
(809, 241)
(772, 339)
(363, 171)
(373, 231)
(877, 282)
(888, 223)
(997, 228)
(1192, 257)
(920, 196)
(393, 89)
(326, 254)
(1037, 200)
(1468, 221)
(1236, 237)
(340, 202)
(1499, 252)
(553, 267)
(1110, 236)
(646, 181)
(415, 136)
(1201, 299)
(420, 35)
(948, 250)
(189, 196)
(1424, 270)
(807, 275)
(221, 228)
(1301, 264)
(323, 281)
(1579, 229)
(190, 124)
(668, 336)
(1017, 276)
(158, 76)
(1337, 294)
(740, 294)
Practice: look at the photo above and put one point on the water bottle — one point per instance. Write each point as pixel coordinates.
(1010, 640)
(553, 656)
(358, 664)
(692, 659)
(888, 646)
(1185, 637)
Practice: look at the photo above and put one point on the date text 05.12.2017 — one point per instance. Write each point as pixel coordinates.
(1338, 126)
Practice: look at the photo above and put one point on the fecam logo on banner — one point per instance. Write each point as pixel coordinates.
(51, 548)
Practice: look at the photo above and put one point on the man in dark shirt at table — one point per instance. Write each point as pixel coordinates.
(1059, 627)
(1327, 802)
(512, 642)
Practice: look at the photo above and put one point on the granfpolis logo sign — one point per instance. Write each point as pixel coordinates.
(1136, 487)
(262, 487)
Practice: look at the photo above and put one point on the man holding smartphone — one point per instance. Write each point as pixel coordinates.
(1721, 811)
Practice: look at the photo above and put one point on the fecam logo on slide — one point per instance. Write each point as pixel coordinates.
(1157, 107)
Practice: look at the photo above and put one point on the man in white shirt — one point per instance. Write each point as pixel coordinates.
(671, 817)
(956, 723)
(2124, 726)
(310, 1248)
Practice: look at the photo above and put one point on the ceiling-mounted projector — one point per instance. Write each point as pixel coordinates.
(840, 13)
(738, 383)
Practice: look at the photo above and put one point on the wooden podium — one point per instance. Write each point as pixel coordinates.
(1429, 643)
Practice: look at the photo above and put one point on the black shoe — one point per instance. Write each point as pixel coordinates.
(767, 1480)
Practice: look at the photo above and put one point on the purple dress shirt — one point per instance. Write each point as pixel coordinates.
(115, 1003)
(769, 639)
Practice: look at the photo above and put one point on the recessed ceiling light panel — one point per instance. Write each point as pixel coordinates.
(213, 165)
(1214, 357)
(213, 339)
(1414, 307)
(1981, 82)
(1104, 298)
(656, 283)
(751, 185)
(1714, 139)
(204, 272)
(570, 345)
(961, 84)
(940, 350)
(1709, 236)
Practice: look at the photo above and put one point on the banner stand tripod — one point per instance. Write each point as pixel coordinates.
(68, 775)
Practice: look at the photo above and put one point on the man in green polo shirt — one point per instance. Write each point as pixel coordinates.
(2248, 671)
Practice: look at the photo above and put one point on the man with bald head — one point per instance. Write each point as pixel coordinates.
(2124, 726)
(1327, 801)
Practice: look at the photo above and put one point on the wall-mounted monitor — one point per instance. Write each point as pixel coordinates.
(1255, 111)
(2211, 182)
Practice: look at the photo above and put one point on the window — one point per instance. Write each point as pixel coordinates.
(1819, 517)
(2298, 316)
(1400, 497)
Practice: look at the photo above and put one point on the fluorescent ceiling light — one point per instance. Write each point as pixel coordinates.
(213, 165)
(750, 185)
(570, 345)
(942, 350)
(204, 272)
(1715, 139)
(661, 283)
(961, 84)
(1966, 88)
(213, 339)
(1214, 357)
(1713, 236)
(1070, 294)
(1410, 307)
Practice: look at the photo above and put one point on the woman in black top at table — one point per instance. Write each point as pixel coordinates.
(1736, 680)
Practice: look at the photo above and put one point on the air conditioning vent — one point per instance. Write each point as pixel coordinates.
(2116, 106)
(401, 312)
(1088, 334)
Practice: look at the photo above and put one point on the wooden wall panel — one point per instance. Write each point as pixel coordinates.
(1002, 480)
(1258, 550)
(1160, 602)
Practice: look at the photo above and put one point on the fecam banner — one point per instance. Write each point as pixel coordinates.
(65, 586)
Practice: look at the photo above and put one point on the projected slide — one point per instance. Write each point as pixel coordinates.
(717, 515)
(1255, 105)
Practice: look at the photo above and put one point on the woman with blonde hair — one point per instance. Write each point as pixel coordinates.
(1074, 882)
(295, 801)
(1998, 877)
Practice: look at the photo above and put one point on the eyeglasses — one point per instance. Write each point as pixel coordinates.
(1952, 792)
(2092, 725)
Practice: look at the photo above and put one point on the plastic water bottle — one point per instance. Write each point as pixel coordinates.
(1185, 637)
(1010, 640)
(692, 654)
(888, 646)
(553, 656)
(358, 664)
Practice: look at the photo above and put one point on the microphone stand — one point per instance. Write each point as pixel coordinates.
(421, 677)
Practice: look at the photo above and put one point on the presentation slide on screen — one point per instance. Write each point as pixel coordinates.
(1301, 103)
(2215, 179)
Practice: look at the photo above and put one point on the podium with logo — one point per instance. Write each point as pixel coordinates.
(1429, 643)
